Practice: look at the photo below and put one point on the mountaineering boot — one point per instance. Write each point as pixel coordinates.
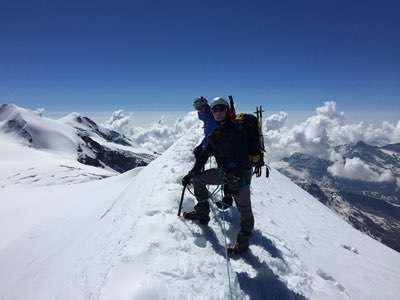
(243, 237)
(200, 213)
(197, 216)
(225, 203)
(238, 248)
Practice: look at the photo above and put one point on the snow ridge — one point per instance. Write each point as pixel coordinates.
(120, 238)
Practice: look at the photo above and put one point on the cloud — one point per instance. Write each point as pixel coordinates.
(157, 137)
(352, 168)
(329, 111)
(118, 122)
(318, 134)
(355, 168)
(275, 121)
(386, 176)
(40, 111)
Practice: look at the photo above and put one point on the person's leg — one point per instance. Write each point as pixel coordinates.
(243, 203)
(227, 200)
(202, 208)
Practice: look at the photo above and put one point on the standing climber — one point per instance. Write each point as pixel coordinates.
(228, 144)
(209, 124)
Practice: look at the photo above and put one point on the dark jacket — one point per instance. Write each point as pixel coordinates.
(228, 144)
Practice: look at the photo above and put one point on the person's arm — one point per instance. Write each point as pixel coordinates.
(209, 127)
(206, 132)
(202, 159)
(204, 142)
(198, 166)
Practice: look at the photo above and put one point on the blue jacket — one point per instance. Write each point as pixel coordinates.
(209, 124)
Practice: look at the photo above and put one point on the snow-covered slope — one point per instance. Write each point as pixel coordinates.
(74, 137)
(37, 131)
(120, 238)
(26, 166)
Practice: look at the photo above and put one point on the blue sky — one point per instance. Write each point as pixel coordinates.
(159, 55)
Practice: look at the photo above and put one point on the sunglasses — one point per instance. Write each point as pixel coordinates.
(219, 108)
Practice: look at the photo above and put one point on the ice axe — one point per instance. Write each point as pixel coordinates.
(180, 203)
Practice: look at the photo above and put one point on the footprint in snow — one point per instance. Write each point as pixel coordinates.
(127, 259)
(307, 239)
(200, 241)
(151, 213)
(328, 277)
(352, 249)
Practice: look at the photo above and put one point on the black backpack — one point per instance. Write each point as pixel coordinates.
(252, 126)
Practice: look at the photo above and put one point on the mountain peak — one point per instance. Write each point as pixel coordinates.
(74, 117)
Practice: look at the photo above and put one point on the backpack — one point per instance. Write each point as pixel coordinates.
(252, 126)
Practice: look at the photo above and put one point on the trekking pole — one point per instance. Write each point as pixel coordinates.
(180, 203)
(261, 163)
(262, 142)
(259, 112)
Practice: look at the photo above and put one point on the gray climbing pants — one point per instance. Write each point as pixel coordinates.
(241, 194)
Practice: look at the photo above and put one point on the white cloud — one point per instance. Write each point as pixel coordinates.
(159, 136)
(386, 176)
(275, 121)
(329, 111)
(156, 137)
(353, 168)
(40, 111)
(118, 122)
(318, 134)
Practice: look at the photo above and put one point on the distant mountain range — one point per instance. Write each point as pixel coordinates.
(370, 206)
(74, 136)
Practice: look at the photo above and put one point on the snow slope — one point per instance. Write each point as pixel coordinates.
(38, 131)
(120, 238)
(74, 138)
(26, 166)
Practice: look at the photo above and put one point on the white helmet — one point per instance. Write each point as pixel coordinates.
(219, 101)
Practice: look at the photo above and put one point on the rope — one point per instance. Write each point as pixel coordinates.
(222, 226)
(211, 195)
(223, 229)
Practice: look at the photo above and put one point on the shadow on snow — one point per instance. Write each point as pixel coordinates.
(265, 285)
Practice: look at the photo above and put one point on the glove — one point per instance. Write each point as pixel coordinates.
(187, 178)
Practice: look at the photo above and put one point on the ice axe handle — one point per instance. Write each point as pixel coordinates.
(180, 203)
